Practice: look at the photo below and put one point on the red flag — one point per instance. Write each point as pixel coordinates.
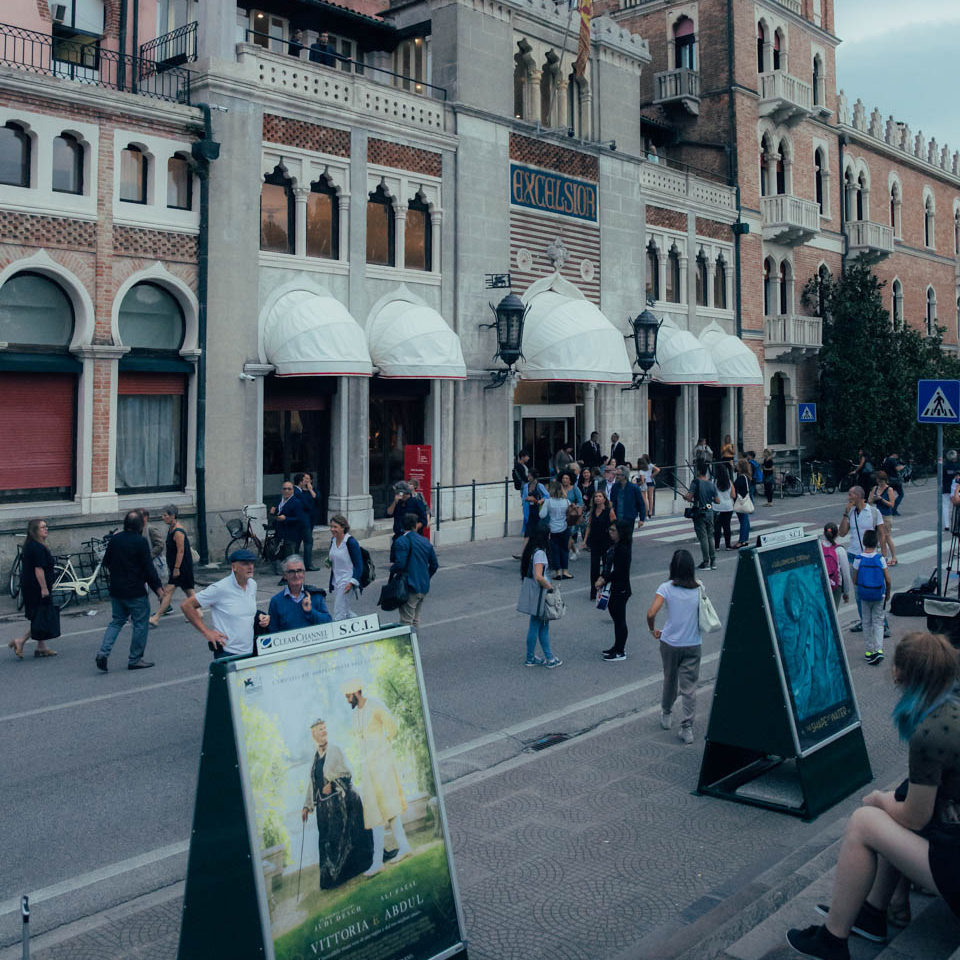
(583, 47)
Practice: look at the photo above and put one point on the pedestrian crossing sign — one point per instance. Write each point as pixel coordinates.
(938, 401)
(807, 412)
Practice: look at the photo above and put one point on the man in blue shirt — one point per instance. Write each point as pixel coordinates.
(289, 519)
(627, 499)
(413, 555)
(293, 606)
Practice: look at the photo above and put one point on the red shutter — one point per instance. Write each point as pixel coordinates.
(151, 384)
(36, 430)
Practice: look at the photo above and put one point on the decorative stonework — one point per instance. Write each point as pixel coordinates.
(154, 244)
(41, 231)
(308, 136)
(551, 156)
(401, 157)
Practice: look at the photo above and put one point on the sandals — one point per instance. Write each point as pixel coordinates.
(45, 653)
(13, 646)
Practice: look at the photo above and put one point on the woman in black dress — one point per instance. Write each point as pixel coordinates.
(36, 580)
(598, 535)
(616, 575)
(179, 561)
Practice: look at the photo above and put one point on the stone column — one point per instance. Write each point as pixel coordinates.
(684, 292)
(730, 416)
(300, 197)
(216, 30)
(768, 56)
(771, 161)
(774, 293)
(663, 259)
(400, 214)
(589, 409)
(788, 175)
(561, 109)
(343, 204)
(436, 223)
(531, 96)
(793, 439)
(260, 371)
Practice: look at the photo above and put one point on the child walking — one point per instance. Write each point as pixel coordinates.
(872, 580)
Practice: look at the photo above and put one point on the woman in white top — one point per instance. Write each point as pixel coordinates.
(723, 511)
(680, 642)
(346, 568)
(648, 472)
(554, 511)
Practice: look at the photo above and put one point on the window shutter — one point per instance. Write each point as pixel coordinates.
(151, 384)
(36, 429)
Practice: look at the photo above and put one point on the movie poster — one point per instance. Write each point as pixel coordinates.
(343, 803)
(809, 641)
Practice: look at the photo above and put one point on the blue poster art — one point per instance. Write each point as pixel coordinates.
(801, 608)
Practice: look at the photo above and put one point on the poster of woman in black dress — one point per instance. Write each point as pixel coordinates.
(346, 848)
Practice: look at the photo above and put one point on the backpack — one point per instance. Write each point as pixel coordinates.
(870, 582)
(369, 571)
(833, 566)
(757, 471)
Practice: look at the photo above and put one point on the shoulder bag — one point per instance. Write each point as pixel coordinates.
(554, 606)
(394, 593)
(708, 620)
(743, 504)
(692, 511)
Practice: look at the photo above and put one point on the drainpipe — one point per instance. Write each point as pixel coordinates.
(844, 142)
(122, 65)
(204, 152)
(135, 46)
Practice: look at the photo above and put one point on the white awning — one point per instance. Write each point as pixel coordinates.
(681, 357)
(736, 363)
(565, 337)
(311, 335)
(409, 339)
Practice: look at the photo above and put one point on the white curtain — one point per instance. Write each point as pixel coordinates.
(148, 441)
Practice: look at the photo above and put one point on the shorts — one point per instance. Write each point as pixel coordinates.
(887, 522)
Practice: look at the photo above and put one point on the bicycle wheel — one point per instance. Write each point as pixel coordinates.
(15, 572)
(62, 595)
(793, 486)
(241, 542)
(828, 486)
(272, 548)
(919, 477)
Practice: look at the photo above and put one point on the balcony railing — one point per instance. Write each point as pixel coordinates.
(785, 98)
(871, 240)
(795, 5)
(792, 334)
(39, 53)
(789, 219)
(172, 49)
(680, 86)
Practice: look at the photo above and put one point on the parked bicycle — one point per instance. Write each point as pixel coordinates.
(243, 537)
(787, 483)
(16, 573)
(818, 479)
(67, 584)
(914, 474)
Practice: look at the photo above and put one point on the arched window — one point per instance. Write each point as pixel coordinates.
(777, 411)
(653, 272)
(823, 279)
(781, 171)
(817, 71)
(769, 269)
(179, 183)
(720, 284)
(701, 281)
(673, 278)
(776, 50)
(574, 96)
(685, 47)
(929, 238)
(418, 238)
(761, 43)
(862, 191)
(277, 213)
(151, 392)
(895, 208)
(14, 155)
(381, 229)
(67, 164)
(786, 288)
(39, 399)
(896, 311)
(818, 176)
(133, 175)
(521, 81)
(323, 221)
(931, 311)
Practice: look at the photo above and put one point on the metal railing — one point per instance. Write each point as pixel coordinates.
(678, 83)
(172, 49)
(40, 53)
(337, 61)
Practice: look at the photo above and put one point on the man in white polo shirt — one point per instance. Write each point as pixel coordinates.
(233, 605)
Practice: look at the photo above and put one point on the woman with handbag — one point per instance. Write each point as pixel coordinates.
(574, 512)
(36, 581)
(742, 504)
(723, 512)
(533, 591)
(616, 575)
(554, 512)
(598, 535)
(680, 641)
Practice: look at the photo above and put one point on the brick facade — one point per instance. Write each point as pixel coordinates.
(669, 219)
(156, 244)
(307, 136)
(41, 231)
(401, 157)
(709, 228)
(549, 156)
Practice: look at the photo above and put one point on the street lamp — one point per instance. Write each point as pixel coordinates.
(509, 315)
(645, 329)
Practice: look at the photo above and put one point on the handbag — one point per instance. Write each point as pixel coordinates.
(554, 606)
(46, 624)
(707, 616)
(743, 505)
(603, 597)
(395, 592)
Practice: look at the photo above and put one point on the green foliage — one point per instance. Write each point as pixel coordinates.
(869, 371)
(268, 759)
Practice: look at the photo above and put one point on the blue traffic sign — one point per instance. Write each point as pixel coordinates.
(807, 412)
(938, 401)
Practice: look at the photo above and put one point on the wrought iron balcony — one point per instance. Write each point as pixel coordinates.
(172, 49)
(785, 98)
(789, 219)
(792, 337)
(871, 240)
(680, 87)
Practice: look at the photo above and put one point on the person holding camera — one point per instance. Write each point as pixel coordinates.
(702, 496)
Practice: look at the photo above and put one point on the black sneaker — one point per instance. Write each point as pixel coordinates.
(713, 566)
(857, 627)
(816, 941)
(141, 664)
(871, 924)
(611, 655)
(101, 663)
(873, 658)
(703, 566)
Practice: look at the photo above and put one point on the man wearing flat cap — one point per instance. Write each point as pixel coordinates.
(380, 789)
(232, 602)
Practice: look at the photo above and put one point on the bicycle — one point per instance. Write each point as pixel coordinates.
(819, 481)
(787, 483)
(66, 583)
(910, 474)
(16, 574)
(242, 537)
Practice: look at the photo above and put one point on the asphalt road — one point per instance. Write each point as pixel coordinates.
(99, 770)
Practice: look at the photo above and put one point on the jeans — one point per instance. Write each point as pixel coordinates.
(744, 519)
(681, 670)
(539, 630)
(560, 550)
(703, 528)
(308, 548)
(896, 503)
(137, 610)
(872, 619)
(410, 609)
(617, 607)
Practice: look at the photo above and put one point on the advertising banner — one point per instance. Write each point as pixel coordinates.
(418, 465)
(342, 805)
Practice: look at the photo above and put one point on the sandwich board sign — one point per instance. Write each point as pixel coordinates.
(784, 730)
(319, 828)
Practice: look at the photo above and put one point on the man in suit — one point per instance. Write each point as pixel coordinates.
(590, 451)
(303, 488)
(290, 518)
(414, 556)
(617, 450)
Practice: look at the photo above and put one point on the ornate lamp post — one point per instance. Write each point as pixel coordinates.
(645, 329)
(509, 315)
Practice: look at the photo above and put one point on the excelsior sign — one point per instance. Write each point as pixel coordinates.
(553, 193)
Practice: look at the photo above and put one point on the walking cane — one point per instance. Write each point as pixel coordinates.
(303, 833)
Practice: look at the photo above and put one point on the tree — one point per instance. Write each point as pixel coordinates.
(868, 371)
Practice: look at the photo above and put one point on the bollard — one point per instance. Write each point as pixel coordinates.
(25, 915)
(473, 510)
(506, 507)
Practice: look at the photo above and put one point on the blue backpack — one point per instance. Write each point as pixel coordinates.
(870, 582)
